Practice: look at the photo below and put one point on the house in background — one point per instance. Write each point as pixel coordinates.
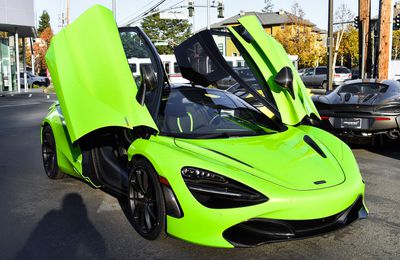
(272, 24)
(17, 21)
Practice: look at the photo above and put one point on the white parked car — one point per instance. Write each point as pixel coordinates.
(33, 79)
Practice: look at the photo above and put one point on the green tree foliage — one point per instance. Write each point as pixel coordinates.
(348, 50)
(269, 6)
(44, 21)
(299, 39)
(396, 45)
(133, 46)
(164, 30)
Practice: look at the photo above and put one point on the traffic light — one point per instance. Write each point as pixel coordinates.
(191, 8)
(396, 22)
(220, 9)
(356, 22)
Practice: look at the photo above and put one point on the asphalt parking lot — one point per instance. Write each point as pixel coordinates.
(66, 219)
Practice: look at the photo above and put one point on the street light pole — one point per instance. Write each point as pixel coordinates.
(114, 8)
(208, 14)
(329, 73)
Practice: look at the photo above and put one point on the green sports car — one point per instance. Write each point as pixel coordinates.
(193, 161)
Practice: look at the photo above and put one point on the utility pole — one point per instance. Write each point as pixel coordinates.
(17, 60)
(67, 11)
(114, 8)
(208, 14)
(329, 73)
(385, 37)
(364, 13)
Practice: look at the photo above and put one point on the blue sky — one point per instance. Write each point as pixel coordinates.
(315, 10)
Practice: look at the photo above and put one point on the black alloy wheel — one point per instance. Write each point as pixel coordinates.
(146, 200)
(49, 154)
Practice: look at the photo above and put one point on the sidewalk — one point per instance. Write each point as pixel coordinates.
(31, 91)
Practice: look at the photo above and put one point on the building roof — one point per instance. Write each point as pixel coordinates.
(274, 18)
(17, 15)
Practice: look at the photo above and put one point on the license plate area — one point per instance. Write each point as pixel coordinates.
(354, 123)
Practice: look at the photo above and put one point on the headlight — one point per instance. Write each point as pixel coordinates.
(216, 191)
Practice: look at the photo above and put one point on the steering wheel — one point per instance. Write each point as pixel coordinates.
(217, 116)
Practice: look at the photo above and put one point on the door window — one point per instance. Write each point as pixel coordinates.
(320, 71)
(309, 72)
(147, 70)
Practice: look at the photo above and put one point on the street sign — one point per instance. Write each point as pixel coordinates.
(173, 16)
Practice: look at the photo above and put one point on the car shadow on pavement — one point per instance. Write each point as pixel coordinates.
(387, 147)
(60, 233)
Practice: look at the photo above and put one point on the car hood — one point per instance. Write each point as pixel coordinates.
(283, 158)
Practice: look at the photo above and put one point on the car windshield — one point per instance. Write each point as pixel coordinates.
(196, 112)
(363, 88)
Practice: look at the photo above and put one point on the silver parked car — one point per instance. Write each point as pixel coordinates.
(33, 79)
(316, 77)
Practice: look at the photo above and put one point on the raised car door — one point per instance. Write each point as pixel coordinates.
(92, 77)
(268, 55)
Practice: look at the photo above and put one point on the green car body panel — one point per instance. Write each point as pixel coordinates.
(94, 78)
(270, 57)
(281, 166)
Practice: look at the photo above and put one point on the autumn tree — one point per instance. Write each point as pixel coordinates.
(268, 6)
(39, 49)
(299, 39)
(348, 51)
(171, 31)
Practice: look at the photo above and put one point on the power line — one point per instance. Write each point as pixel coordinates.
(138, 11)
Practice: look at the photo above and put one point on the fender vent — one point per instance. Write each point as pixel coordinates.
(314, 145)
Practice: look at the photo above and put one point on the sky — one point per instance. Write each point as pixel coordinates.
(315, 10)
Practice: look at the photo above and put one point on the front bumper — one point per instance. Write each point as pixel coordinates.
(255, 232)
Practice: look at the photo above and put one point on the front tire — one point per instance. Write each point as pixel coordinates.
(324, 85)
(49, 154)
(146, 207)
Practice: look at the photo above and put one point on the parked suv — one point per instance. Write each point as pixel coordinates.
(33, 79)
(316, 77)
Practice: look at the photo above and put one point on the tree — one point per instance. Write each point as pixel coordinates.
(302, 42)
(173, 32)
(348, 49)
(342, 14)
(297, 10)
(44, 21)
(396, 45)
(269, 7)
(39, 50)
(299, 39)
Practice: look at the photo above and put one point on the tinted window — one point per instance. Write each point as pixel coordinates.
(363, 88)
(320, 71)
(342, 70)
(176, 68)
(167, 67)
(309, 72)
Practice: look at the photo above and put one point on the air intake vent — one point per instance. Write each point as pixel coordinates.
(314, 145)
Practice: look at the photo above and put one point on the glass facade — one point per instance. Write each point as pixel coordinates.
(8, 76)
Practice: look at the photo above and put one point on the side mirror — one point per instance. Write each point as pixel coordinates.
(148, 80)
(141, 94)
(284, 79)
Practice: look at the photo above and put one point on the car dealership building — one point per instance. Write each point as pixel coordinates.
(17, 24)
